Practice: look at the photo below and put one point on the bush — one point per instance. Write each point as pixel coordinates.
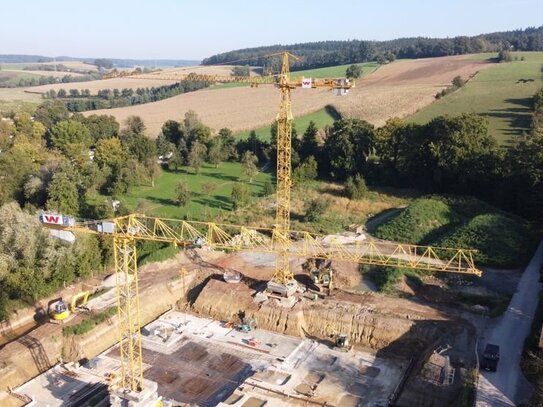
(315, 208)
(269, 189)
(458, 82)
(88, 324)
(241, 196)
(356, 188)
(386, 278)
(505, 56)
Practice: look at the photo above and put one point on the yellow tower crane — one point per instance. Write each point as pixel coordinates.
(282, 281)
(127, 230)
(280, 240)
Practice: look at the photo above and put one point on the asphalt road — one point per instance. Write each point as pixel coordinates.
(508, 386)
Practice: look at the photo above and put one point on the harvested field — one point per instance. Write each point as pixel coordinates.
(204, 70)
(397, 89)
(56, 74)
(34, 93)
(95, 86)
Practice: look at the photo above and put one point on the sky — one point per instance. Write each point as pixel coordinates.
(178, 29)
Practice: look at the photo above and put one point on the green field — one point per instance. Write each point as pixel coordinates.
(335, 71)
(13, 77)
(321, 118)
(502, 93)
(161, 200)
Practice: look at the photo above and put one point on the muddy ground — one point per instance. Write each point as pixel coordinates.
(390, 326)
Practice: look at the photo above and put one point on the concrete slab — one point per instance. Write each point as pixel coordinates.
(202, 361)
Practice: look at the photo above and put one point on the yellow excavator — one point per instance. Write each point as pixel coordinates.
(321, 272)
(59, 310)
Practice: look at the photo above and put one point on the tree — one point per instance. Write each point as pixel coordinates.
(154, 169)
(309, 145)
(196, 156)
(51, 112)
(241, 196)
(215, 154)
(348, 146)
(103, 63)
(356, 188)
(249, 167)
(183, 193)
(399, 146)
(526, 176)
(134, 126)
(353, 72)
(143, 149)
(504, 56)
(458, 82)
(456, 154)
(314, 208)
(63, 195)
(70, 132)
(194, 130)
(269, 189)
(175, 160)
(102, 126)
(207, 189)
(172, 131)
(16, 166)
(110, 153)
(241, 71)
(307, 171)
(228, 144)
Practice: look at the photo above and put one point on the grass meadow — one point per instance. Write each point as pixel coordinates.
(502, 93)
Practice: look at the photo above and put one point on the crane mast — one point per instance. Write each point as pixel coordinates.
(283, 274)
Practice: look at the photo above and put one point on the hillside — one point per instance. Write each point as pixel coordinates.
(501, 239)
(118, 62)
(397, 89)
(503, 94)
(330, 53)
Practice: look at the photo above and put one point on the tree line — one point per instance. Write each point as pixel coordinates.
(81, 100)
(49, 80)
(330, 53)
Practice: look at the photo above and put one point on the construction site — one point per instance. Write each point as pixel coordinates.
(243, 316)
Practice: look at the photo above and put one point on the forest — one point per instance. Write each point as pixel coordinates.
(330, 53)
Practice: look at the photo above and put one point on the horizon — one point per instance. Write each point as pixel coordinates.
(67, 29)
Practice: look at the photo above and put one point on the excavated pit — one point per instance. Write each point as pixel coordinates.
(371, 321)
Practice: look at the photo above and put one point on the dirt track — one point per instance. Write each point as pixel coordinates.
(398, 89)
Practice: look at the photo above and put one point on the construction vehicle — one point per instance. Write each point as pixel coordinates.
(491, 357)
(342, 343)
(59, 310)
(79, 300)
(321, 273)
(126, 230)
